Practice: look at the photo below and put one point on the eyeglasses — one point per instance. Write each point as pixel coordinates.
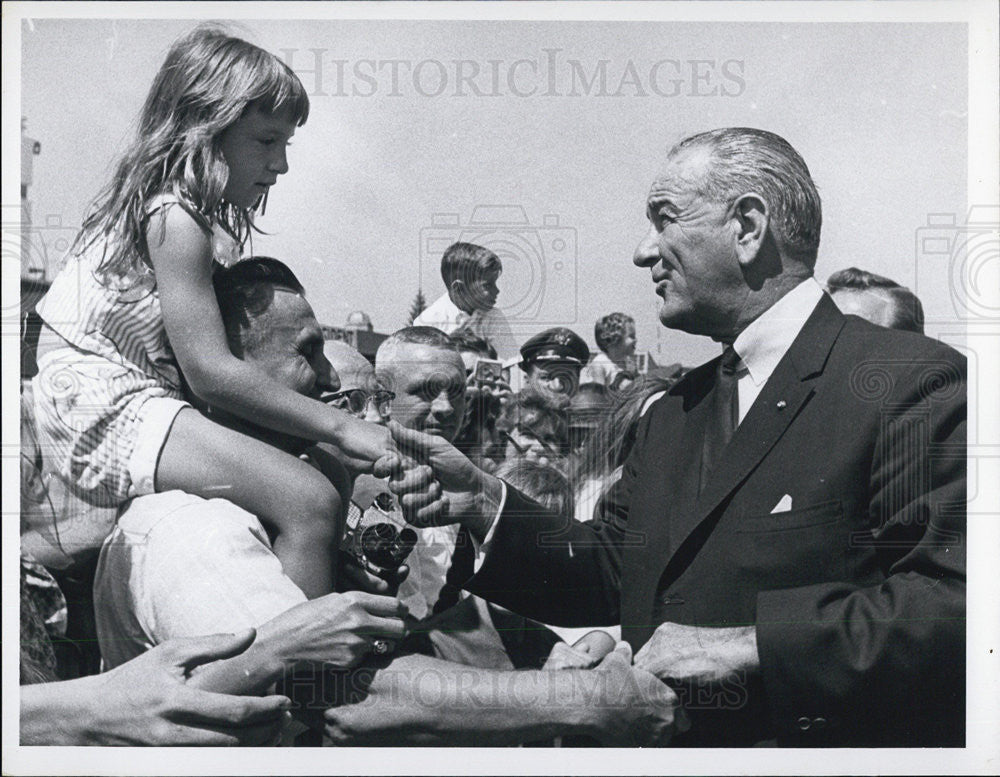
(356, 401)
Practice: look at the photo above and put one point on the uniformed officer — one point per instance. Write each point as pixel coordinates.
(552, 361)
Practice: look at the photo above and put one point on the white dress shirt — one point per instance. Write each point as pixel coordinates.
(490, 324)
(767, 339)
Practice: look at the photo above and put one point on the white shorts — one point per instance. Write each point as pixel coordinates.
(101, 426)
(158, 414)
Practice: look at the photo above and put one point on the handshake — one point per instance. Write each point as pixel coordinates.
(436, 484)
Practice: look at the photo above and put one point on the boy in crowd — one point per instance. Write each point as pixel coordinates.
(470, 275)
(615, 337)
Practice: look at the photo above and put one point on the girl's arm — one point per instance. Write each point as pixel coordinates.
(181, 254)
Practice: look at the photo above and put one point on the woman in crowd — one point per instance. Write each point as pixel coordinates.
(597, 464)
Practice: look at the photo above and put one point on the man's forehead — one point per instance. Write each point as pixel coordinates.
(681, 175)
(870, 304)
(290, 305)
(418, 358)
(287, 312)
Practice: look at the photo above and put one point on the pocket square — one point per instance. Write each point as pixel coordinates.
(784, 505)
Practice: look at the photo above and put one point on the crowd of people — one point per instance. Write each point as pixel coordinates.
(261, 529)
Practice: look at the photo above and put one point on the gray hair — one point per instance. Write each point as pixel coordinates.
(751, 160)
(413, 335)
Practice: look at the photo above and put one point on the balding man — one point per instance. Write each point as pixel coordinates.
(360, 393)
(423, 370)
(787, 543)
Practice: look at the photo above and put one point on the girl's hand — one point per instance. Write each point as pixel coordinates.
(369, 447)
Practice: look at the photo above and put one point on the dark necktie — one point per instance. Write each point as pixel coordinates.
(723, 415)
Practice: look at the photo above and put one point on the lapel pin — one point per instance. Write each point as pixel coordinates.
(782, 404)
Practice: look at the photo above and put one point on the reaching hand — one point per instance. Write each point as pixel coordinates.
(368, 447)
(637, 710)
(697, 654)
(585, 653)
(147, 701)
(421, 486)
(337, 629)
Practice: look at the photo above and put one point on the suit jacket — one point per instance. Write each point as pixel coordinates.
(857, 592)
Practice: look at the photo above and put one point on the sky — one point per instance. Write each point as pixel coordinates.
(419, 130)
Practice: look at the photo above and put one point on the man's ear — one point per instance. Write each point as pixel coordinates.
(752, 217)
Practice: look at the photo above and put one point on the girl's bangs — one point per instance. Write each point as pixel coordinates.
(280, 89)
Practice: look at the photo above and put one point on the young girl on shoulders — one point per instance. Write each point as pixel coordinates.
(134, 309)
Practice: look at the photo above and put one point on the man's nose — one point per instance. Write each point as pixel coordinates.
(327, 378)
(442, 405)
(372, 415)
(647, 252)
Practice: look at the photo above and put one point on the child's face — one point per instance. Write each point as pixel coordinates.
(626, 346)
(483, 291)
(254, 148)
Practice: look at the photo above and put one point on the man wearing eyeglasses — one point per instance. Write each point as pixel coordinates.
(360, 393)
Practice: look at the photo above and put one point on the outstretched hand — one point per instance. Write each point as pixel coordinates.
(697, 654)
(636, 708)
(147, 701)
(367, 448)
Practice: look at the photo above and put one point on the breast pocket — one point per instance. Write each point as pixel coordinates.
(801, 518)
(790, 549)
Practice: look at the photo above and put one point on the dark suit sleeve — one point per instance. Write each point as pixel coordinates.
(555, 569)
(886, 661)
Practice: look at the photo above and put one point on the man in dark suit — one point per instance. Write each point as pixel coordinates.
(786, 545)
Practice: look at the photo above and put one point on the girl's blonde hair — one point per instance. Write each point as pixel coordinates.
(206, 83)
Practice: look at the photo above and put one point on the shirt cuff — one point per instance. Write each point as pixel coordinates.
(482, 549)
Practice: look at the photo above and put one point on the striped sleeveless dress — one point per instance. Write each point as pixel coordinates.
(114, 386)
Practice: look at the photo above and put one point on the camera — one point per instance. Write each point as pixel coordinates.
(539, 281)
(966, 257)
(488, 371)
(379, 548)
(376, 539)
